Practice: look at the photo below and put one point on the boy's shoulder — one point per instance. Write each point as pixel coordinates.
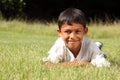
(59, 42)
(87, 41)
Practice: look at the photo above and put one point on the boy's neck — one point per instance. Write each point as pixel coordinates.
(75, 52)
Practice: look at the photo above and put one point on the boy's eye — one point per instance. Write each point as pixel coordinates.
(67, 31)
(78, 31)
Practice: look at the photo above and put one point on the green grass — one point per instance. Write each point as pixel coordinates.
(23, 45)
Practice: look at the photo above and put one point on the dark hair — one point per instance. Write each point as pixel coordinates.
(71, 15)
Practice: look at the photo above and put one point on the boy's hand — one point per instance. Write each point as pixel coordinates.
(76, 63)
(66, 64)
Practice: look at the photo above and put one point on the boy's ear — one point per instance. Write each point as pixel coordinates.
(59, 32)
(86, 30)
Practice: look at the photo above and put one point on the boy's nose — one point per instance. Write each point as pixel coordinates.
(72, 35)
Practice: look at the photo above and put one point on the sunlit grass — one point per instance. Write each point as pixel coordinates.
(29, 27)
(23, 45)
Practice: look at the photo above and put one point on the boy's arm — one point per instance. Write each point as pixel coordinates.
(100, 61)
(73, 63)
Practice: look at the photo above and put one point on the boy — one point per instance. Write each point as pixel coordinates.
(72, 47)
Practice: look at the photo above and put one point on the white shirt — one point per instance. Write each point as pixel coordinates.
(89, 52)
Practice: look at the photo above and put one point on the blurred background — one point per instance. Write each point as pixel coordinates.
(48, 10)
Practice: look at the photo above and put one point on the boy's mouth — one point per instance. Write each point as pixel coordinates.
(72, 41)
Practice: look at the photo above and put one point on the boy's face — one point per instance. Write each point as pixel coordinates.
(72, 35)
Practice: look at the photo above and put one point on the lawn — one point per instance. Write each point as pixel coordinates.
(23, 45)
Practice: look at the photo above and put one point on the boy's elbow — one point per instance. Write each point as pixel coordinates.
(100, 62)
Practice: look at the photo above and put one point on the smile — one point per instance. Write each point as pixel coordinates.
(71, 41)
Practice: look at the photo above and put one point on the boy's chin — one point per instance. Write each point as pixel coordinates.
(72, 47)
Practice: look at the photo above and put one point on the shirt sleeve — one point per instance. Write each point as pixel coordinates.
(56, 52)
(97, 57)
(94, 50)
(100, 61)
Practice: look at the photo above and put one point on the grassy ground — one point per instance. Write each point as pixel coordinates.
(23, 45)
